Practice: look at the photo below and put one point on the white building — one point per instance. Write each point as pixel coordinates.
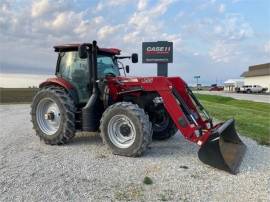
(231, 84)
(258, 75)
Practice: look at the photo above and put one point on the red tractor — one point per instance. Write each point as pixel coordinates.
(89, 94)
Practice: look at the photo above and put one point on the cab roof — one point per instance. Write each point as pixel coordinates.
(74, 47)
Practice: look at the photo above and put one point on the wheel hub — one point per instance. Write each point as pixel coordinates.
(48, 116)
(125, 130)
(121, 131)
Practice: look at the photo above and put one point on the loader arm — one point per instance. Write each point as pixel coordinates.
(176, 101)
(220, 145)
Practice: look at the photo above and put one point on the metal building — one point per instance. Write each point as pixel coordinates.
(258, 75)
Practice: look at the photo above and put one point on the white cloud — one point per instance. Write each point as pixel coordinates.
(108, 30)
(64, 22)
(237, 28)
(267, 47)
(131, 37)
(161, 7)
(175, 38)
(98, 19)
(100, 6)
(118, 2)
(5, 6)
(223, 52)
(142, 4)
(232, 28)
(145, 24)
(218, 29)
(139, 20)
(39, 8)
(222, 8)
(109, 3)
(143, 18)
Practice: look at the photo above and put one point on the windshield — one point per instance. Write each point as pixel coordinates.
(71, 64)
(107, 66)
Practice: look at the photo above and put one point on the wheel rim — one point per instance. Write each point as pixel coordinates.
(48, 116)
(121, 131)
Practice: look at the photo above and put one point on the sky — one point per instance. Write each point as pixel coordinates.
(215, 39)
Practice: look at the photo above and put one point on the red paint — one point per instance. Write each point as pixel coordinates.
(163, 86)
(216, 88)
(57, 81)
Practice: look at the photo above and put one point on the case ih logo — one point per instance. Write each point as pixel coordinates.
(157, 52)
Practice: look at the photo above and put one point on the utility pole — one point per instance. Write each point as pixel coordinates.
(197, 80)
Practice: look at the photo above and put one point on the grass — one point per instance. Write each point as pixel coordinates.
(17, 95)
(252, 118)
(147, 180)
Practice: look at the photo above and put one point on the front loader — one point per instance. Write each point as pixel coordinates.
(90, 94)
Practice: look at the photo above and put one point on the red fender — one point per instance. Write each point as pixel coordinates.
(58, 81)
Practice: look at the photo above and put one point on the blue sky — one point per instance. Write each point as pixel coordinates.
(215, 39)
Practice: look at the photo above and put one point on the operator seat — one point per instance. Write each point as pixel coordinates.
(80, 81)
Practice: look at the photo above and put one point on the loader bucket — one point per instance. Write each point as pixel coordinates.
(224, 149)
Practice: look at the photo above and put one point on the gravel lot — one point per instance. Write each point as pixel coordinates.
(239, 96)
(84, 170)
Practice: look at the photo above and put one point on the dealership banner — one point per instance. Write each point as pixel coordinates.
(157, 52)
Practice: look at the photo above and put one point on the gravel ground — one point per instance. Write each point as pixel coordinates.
(85, 170)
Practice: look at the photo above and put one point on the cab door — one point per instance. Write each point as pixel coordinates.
(74, 69)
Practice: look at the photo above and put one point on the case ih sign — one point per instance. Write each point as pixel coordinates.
(157, 52)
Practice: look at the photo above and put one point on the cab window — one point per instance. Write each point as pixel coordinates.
(106, 65)
(75, 70)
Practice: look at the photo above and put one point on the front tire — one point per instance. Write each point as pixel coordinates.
(126, 129)
(162, 124)
(53, 115)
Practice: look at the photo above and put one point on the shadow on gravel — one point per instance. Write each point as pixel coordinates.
(86, 139)
(176, 146)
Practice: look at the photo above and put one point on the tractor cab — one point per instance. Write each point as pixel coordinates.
(74, 69)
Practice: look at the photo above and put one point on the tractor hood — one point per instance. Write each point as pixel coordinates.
(145, 80)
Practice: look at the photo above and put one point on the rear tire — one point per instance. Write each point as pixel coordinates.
(53, 115)
(126, 129)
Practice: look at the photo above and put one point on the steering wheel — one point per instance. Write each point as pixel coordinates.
(109, 75)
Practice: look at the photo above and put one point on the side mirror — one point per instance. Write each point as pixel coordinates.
(82, 51)
(127, 69)
(134, 57)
